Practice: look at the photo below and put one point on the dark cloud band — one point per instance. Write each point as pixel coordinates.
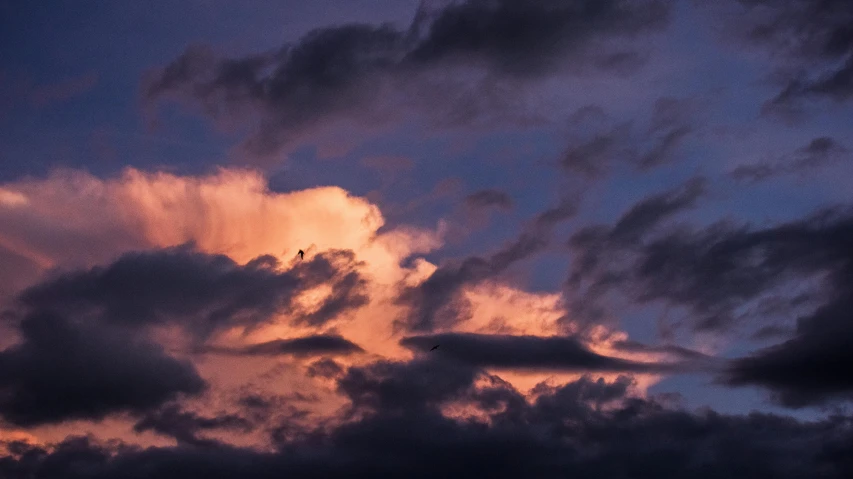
(524, 352)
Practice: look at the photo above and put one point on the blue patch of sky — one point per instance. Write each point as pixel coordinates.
(699, 391)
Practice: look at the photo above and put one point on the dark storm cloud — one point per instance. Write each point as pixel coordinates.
(563, 432)
(489, 198)
(185, 426)
(715, 272)
(307, 346)
(200, 291)
(819, 152)
(814, 366)
(817, 34)
(63, 371)
(373, 72)
(523, 352)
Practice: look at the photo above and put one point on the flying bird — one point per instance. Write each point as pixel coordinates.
(301, 254)
(434, 348)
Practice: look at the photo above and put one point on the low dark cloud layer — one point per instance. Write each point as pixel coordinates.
(564, 431)
(401, 388)
(199, 291)
(63, 371)
(371, 73)
(524, 353)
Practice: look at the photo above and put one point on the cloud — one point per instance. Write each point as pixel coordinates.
(184, 426)
(649, 213)
(522, 352)
(306, 346)
(474, 52)
(489, 198)
(724, 275)
(504, 34)
(671, 122)
(324, 368)
(714, 270)
(810, 368)
(229, 212)
(436, 302)
(439, 301)
(681, 353)
(232, 243)
(397, 387)
(814, 35)
(596, 269)
(819, 152)
(214, 256)
(199, 291)
(64, 370)
(590, 156)
(587, 427)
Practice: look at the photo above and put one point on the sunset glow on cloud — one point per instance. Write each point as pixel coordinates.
(233, 213)
(415, 238)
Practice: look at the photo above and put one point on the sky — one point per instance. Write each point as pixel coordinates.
(627, 226)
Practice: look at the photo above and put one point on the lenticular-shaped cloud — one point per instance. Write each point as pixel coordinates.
(523, 352)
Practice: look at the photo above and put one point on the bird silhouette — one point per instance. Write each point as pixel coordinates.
(301, 254)
(434, 348)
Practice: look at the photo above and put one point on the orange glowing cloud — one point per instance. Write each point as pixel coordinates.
(73, 219)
